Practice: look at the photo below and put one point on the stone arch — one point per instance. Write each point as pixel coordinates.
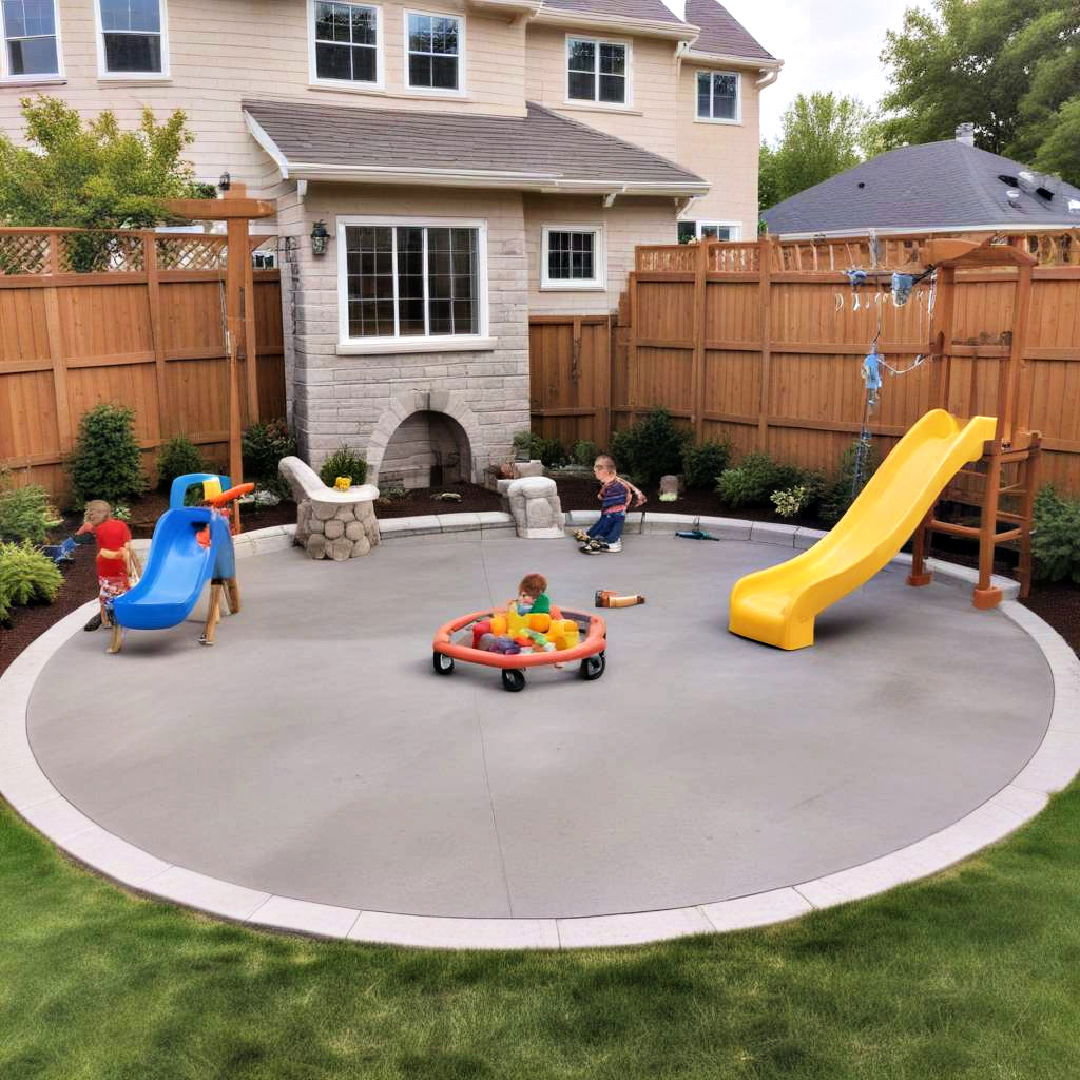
(404, 405)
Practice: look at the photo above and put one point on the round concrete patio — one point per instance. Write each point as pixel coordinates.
(313, 755)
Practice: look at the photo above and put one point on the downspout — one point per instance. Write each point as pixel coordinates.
(769, 76)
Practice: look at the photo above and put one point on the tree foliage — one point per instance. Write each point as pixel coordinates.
(822, 135)
(91, 174)
(1011, 68)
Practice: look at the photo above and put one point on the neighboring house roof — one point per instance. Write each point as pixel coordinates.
(721, 35)
(938, 185)
(540, 151)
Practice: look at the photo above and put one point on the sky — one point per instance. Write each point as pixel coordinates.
(825, 45)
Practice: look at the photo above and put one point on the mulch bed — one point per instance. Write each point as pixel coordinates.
(1058, 604)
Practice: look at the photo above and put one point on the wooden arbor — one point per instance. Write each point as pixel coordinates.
(1008, 469)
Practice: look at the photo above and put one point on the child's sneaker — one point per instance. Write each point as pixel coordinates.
(612, 549)
(593, 547)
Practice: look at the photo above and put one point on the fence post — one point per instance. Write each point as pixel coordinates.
(701, 314)
(55, 338)
(251, 350)
(765, 307)
(153, 294)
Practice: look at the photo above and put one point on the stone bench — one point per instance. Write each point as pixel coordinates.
(534, 503)
(330, 524)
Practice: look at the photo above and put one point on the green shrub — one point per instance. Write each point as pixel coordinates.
(25, 514)
(264, 445)
(791, 500)
(702, 464)
(584, 453)
(105, 463)
(533, 447)
(651, 448)
(178, 457)
(26, 576)
(838, 495)
(1055, 542)
(343, 462)
(751, 482)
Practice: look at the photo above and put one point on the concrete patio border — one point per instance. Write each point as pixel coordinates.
(34, 798)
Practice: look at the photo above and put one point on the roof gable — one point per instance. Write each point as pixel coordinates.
(721, 34)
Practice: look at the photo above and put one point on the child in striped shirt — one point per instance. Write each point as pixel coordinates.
(616, 497)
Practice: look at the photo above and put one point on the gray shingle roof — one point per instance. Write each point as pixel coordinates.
(540, 144)
(720, 33)
(628, 9)
(945, 184)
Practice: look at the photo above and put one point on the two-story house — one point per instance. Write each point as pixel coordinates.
(473, 162)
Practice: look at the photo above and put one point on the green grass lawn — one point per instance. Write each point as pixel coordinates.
(975, 973)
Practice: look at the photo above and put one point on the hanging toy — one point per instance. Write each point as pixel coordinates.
(901, 288)
(856, 279)
(872, 375)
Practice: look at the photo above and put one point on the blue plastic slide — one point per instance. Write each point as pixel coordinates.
(179, 566)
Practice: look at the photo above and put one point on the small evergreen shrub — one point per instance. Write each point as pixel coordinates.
(702, 464)
(533, 447)
(750, 483)
(26, 576)
(836, 496)
(343, 462)
(584, 453)
(25, 514)
(105, 463)
(264, 445)
(651, 448)
(1055, 542)
(178, 457)
(790, 501)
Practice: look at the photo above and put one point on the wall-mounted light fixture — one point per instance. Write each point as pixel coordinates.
(320, 237)
(224, 182)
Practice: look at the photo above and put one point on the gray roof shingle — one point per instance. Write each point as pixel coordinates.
(540, 144)
(721, 34)
(945, 184)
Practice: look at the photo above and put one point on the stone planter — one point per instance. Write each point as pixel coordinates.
(331, 524)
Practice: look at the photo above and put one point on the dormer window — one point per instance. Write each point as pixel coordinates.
(718, 97)
(597, 71)
(434, 45)
(30, 38)
(345, 42)
(132, 38)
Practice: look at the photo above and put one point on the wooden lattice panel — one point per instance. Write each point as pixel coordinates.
(189, 252)
(100, 252)
(23, 253)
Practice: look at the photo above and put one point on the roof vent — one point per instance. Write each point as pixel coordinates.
(1044, 193)
(1009, 181)
(1074, 206)
(965, 133)
(1014, 195)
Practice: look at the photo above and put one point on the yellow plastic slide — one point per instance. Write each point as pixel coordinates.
(778, 605)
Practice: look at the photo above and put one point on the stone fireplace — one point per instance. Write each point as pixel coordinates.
(428, 449)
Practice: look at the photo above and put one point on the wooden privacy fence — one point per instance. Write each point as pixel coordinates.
(134, 318)
(760, 344)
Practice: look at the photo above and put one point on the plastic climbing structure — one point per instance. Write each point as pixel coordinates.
(1004, 481)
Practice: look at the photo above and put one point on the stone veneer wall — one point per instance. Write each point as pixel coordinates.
(361, 399)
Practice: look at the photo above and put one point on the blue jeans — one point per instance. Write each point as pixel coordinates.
(608, 528)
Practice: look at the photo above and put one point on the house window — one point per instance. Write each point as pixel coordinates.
(346, 42)
(572, 257)
(30, 37)
(132, 33)
(412, 279)
(707, 230)
(717, 96)
(434, 51)
(596, 71)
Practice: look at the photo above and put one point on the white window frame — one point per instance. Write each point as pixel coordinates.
(436, 91)
(738, 98)
(595, 103)
(136, 76)
(598, 282)
(412, 342)
(9, 78)
(734, 226)
(380, 54)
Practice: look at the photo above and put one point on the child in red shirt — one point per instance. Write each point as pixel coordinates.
(113, 557)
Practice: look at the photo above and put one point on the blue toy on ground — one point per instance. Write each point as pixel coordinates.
(192, 545)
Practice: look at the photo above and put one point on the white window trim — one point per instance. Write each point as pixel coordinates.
(133, 76)
(595, 103)
(738, 99)
(734, 226)
(598, 282)
(436, 91)
(412, 342)
(380, 55)
(8, 79)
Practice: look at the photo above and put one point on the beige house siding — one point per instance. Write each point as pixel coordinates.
(725, 154)
(628, 222)
(646, 122)
(221, 51)
(354, 398)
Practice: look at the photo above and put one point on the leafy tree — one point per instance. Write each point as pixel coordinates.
(823, 135)
(91, 174)
(1010, 68)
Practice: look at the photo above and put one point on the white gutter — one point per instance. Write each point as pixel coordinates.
(1002, 227)
(620, 23)
(732, 61)
(768, 77)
